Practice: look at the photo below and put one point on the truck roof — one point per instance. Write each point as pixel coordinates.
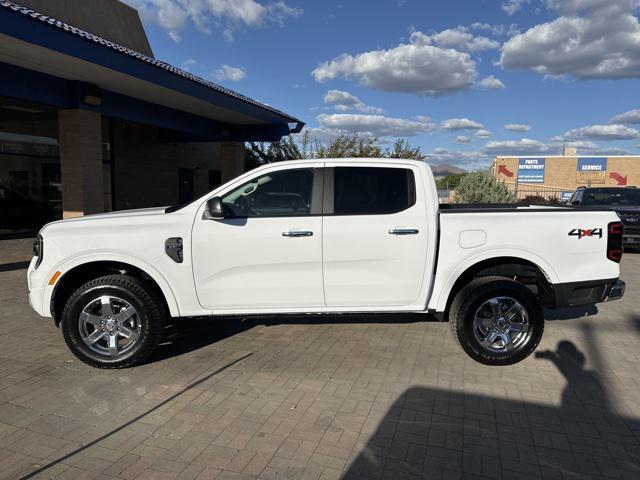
(350, 159)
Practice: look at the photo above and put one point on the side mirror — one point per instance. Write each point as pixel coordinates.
(214, 209)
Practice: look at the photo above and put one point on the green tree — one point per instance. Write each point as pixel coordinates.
(345, 145)
(403, 149)
(349, 145)
(450, 181)
(482, 187)
(262, 153)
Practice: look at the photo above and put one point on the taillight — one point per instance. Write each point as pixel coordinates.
(614, 241)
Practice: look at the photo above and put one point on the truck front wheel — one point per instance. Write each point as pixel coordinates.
(114, 321)
(496, 321)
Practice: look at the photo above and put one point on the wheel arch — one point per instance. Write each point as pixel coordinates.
(527, 270)
(79, 272)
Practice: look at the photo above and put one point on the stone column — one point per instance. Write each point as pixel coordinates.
(232, 160)
(81, 162)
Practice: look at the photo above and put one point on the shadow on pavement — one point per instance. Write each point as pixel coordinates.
(184, 335)
(12, 235)
(9, 267)
(431, 433)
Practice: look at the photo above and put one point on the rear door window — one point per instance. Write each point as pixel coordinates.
(372, 190)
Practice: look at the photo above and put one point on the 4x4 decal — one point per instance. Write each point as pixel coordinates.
(586, 232)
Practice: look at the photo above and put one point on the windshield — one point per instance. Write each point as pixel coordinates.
(611, 196)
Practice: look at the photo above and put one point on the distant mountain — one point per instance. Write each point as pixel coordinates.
(442, 170)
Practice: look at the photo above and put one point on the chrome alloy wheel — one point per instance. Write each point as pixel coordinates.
(501, 324)
(109, 326)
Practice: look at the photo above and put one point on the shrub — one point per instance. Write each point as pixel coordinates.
(482, 187)
(539, 200)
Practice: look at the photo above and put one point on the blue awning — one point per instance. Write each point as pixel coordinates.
(47, 60)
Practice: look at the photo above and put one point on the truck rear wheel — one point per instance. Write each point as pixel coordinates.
(114, 321)
(496, 321)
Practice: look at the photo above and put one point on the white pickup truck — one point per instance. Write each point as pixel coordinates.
(322, 236)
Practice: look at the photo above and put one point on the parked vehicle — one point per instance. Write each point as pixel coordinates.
(625, 201)
(322, 236)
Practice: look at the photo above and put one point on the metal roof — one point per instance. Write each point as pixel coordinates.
(90, 37)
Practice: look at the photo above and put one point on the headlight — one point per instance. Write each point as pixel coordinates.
(38, 249)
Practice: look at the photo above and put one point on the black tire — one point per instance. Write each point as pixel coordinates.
(149, 320)
(472, 297)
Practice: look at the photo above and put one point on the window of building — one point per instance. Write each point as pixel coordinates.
(215, 179)
(30, 181)
(372, 190)
(283, 193)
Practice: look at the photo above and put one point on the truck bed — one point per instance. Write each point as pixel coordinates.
(512, 207)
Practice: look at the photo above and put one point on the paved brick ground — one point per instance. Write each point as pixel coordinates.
(359, 397)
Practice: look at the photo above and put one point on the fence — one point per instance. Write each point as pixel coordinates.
(533, 194)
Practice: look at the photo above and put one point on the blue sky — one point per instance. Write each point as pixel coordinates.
(465, 80)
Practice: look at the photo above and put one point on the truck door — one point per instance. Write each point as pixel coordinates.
(375, 233)
(267, 253)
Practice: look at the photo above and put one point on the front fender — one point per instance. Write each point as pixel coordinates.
(69, 264)
(444, 284)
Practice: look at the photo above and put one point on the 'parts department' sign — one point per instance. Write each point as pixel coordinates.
(592, 170)
(531, 170)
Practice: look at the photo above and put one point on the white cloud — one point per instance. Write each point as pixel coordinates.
(459, 38)
(610, 151)
(463, 139)
(456, 157)
(416, 67)
(320, 135)
(225, 15)
(517, 127)
(524, 146)
(491, 83)
(511, 7)
(528, 146)
(375, 125)
(590, 39)
(344, 101)
(497, 30)
(461, 124)
(482, 133)
(630, 117)
(600, 132)
(188, 64)
(227, 72)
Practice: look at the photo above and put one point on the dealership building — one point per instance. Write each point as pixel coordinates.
(90, 121)
(561, 175)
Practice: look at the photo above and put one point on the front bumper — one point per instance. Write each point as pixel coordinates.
(586, 293)
(37, 284)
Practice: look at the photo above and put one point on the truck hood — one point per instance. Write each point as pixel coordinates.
(629, 209)
(630, 215)
(121, 214)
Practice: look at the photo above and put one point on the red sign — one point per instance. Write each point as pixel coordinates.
(503, 170)
(618, 178)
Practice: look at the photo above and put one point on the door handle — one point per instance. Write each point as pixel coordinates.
(404, 231)
(297, 233)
